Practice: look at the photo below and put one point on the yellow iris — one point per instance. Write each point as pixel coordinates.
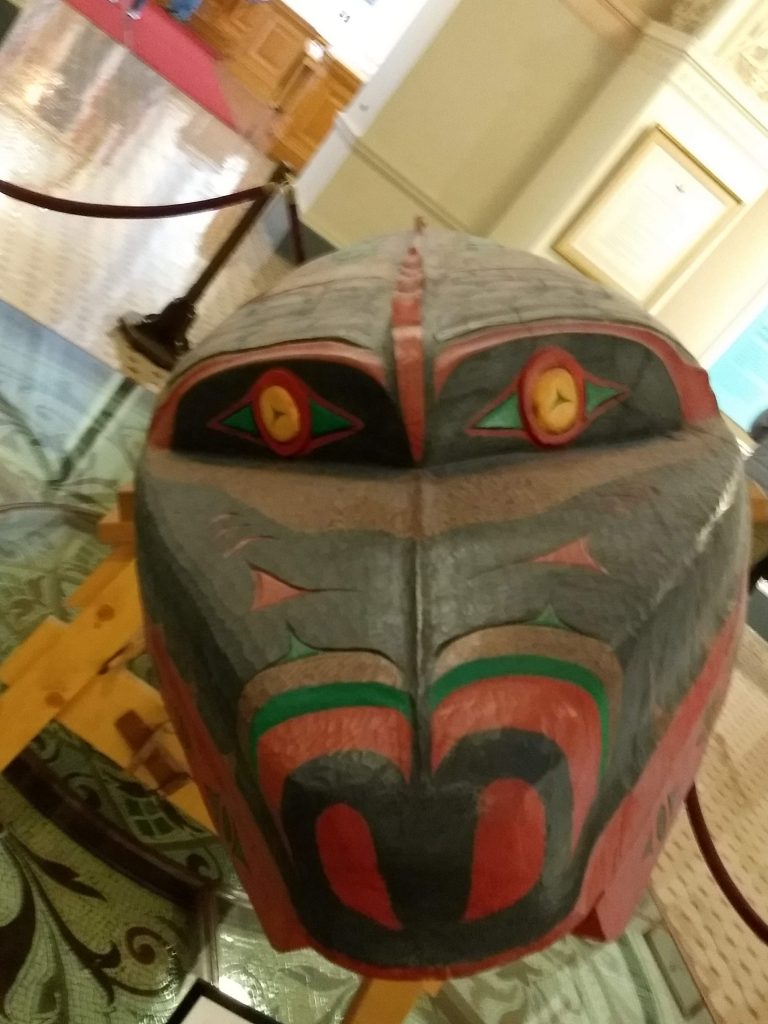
(556, 400)
(279, 413)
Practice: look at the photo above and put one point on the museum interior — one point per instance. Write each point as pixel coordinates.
(146, 875)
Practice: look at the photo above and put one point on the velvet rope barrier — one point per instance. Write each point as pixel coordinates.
(720, 873)
(114, 212)
(162, 337)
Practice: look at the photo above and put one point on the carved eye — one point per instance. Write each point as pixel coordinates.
(552, 401)
(283, 413)
(556, 398)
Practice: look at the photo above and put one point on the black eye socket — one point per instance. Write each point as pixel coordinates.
(552, 401)
(551, 391)
(283, 413)
(303, 409)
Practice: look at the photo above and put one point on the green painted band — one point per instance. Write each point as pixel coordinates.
(332, 696)
(527, 665)
(309, 699)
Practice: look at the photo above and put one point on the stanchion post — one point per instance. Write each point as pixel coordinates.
(162, 337)
(297, 236)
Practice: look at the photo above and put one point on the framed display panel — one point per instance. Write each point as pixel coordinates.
(650, 216)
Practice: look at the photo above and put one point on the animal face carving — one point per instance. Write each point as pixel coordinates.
(441, 548)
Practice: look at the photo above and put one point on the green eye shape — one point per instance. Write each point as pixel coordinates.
(598, 394)
(242, 420)
(325, 421)
(551, 401)
(505, 416)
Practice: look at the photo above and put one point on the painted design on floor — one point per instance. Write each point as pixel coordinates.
(78, 940)
(144, 818)
(642, 979)
(70, 431)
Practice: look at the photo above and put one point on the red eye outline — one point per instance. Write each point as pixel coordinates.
(308, 406)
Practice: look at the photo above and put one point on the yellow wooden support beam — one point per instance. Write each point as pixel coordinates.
(63, 663)
(387, 1002)
(125, 503)
(94, 714)
(115, 531)
(92, 586)
(758, 501)
(76, 673)
(37, 643)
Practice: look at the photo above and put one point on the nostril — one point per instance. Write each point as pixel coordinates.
(573, 719)
(510, 841)
(349, 860)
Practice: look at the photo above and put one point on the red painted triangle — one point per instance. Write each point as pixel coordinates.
(269, 590)
(576, 553)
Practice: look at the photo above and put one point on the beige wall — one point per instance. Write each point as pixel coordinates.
(477, 135)
(487, 101)
(634, 10)
(658, 9)
(705, 307)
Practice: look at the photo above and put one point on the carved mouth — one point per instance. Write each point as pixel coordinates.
(479, 834)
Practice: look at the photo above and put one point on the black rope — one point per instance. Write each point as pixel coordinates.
(114, 212)
(92, 514)
(720, 873)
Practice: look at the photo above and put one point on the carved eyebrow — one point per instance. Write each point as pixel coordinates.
(470, 345)
(690, 380)
(328, 350)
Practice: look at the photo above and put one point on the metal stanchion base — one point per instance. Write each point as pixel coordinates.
(160, 337)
